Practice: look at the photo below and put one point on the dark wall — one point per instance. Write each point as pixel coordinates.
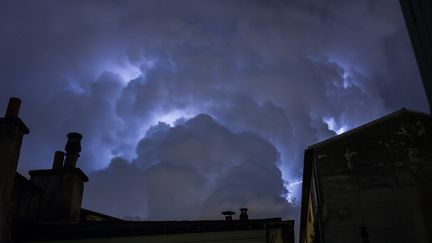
(379, 177)
(418, 18)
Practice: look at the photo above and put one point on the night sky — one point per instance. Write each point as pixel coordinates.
(189, 108)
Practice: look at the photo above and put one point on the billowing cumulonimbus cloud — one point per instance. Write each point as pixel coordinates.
(196, 169)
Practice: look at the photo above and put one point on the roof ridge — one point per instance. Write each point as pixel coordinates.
(368, 124)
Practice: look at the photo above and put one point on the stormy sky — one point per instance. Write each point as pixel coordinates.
(189, 108)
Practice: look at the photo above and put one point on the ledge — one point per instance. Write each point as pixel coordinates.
(61, 171)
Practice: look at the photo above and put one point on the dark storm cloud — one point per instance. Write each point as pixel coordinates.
(289, 72)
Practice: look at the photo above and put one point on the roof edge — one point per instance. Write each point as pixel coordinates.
(368, 124)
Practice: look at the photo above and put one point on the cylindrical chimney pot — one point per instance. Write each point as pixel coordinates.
(73, 144)
(13, 107)
(58, 160)
(243, 214)
(73, 148)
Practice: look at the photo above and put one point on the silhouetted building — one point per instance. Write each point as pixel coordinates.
(47, 207)
(12, 130)
(418, 18)
(254, 231)
(370, 184)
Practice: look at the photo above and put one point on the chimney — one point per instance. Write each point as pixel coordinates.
(58, 160)
(12, 130)
(13, 107)
(72, 148)
(63, 185)
(228, 215)
(243, 214)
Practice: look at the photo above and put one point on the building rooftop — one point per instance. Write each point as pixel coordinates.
(368, 125)
(121, 228)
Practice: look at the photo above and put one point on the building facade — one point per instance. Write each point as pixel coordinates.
(370, 184)
(418, 19)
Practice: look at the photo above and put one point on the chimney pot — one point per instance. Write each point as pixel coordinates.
(58, 160)
(73, 144)
(228, 215)
(13, 107)
(243, 214)
(73, 148)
